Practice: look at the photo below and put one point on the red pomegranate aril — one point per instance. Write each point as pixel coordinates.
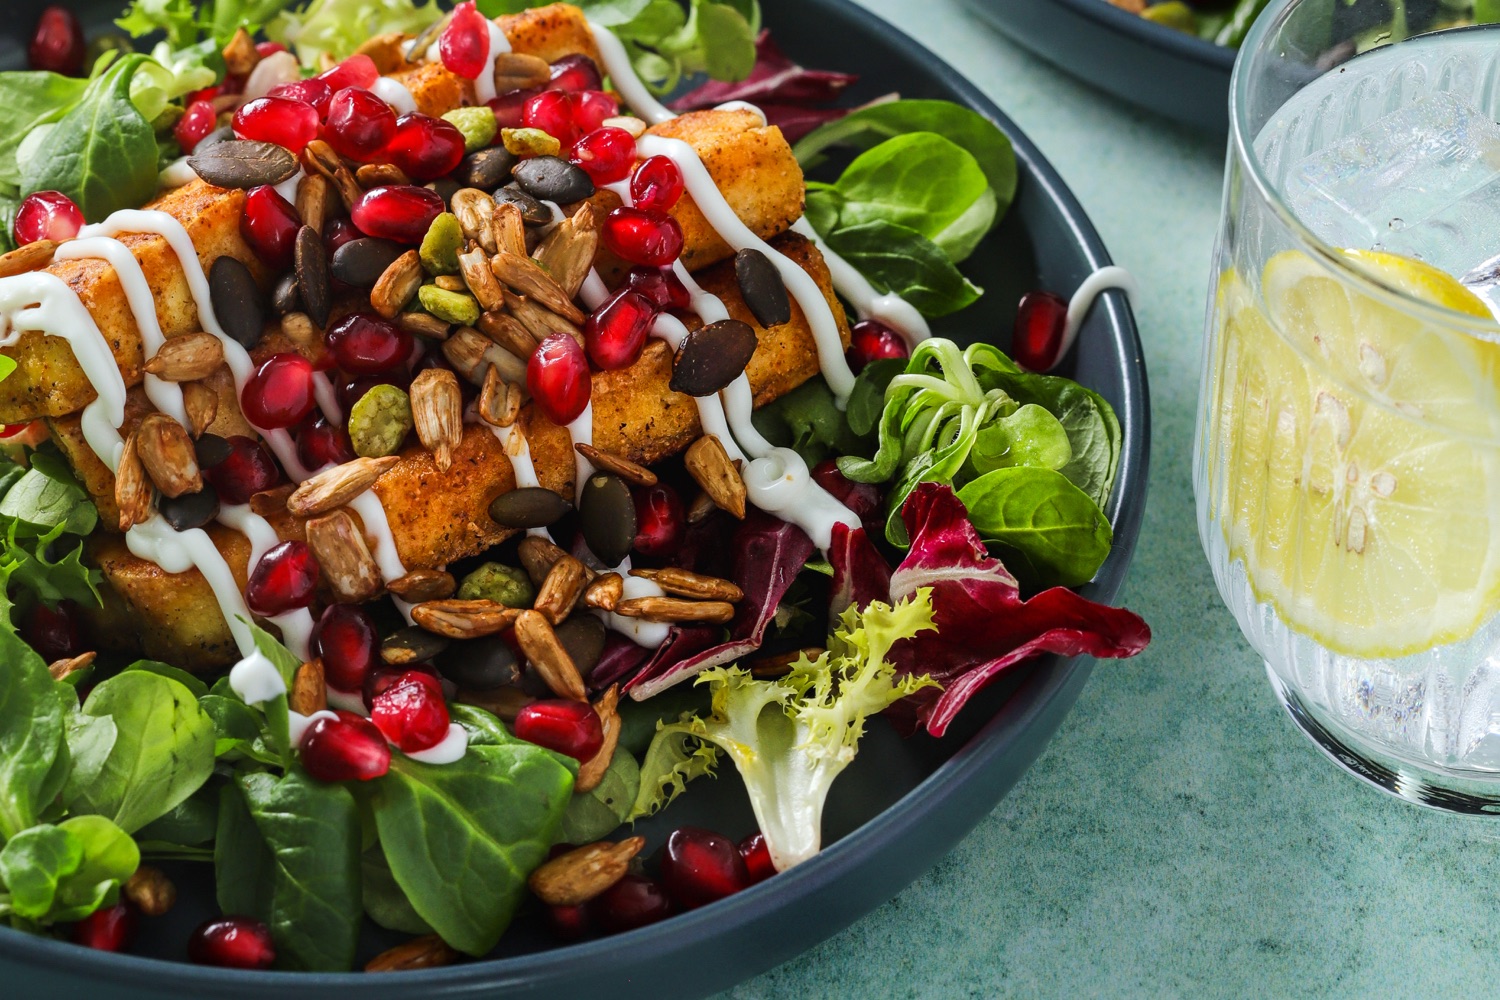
(464, 45)
(206, 94)
(283, 580)
(575, 73)
(109, 928)
(280, 393)
(558, 377)
(1041, 321)
(346, 748)
(642, 236)
(248, 470)
(615, 333)
(196, 122)
(662, 286)
(552, 112)
(660, 520)
(592, 107)
(757, 857)
(862, 498)
(47, 215)
(510, 107)
(568, 727)
(321, 443)
(234, 83)
(400, 212)
(56, 633)
(338, 231)
(310, 91)
(568, 923)
(357, 71)
(359, 124)
(700, 866)
(264, 49)
(605, 154)
(657, 184)
(632, 902)
(281, 120)
(871, 340)
(346, 641)
(425, 148)
(57, 45)
(411, 712)
(367, 344)
(269, 224)
(232, 943)
(382, 678)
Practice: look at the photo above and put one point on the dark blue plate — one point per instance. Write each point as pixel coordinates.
(1172, 73)
(899, 808)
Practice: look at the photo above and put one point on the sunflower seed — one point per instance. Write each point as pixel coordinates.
(709, 465)
(423, 585)
(568, 251)
(332, 488)
(526, 277)
(240, 54)
(537, 556)
(507, 331)
(605, 592)
(309, 693)
(561, 590)
(344, 557)
(374, 175)
(397, 285)
(499, 400)
(547, 656)
(437, 410)
(166, 451)
(132, 488)
(592, 770)
(150, 890)
(479, 279)
(465, 619)
(685, 583)
(583, 873)
(675, 610)
(636, 475)
(187, 358)
(520, 71)
(31, 257)
(313, 193)
(426, 952)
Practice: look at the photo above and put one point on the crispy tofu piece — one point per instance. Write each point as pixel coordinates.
(439, 517)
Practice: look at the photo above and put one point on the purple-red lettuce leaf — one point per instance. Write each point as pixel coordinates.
(775, 79)
(860, 572)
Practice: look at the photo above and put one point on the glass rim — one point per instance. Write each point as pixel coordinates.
(1242, 147)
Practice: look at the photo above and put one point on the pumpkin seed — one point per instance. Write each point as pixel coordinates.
(486, 169)
(480, 664)
(528, 507)
(286, 299)
(191, 510)
(361, 262)
(477, 125)
(440, 247)
(452, 307)
(211, 449)
(380, 421)
(236, 300)
(606, 516)
(411, 645)
(583, 637)
(762, 287)
(553, 179)
(711, 357)
(241, 163)
(312, 276)
(533, 212)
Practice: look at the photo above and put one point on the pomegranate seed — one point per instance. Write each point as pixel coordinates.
(281, 120)
(615, 333)
(568, 727)
(700, 866)
(632, 902)
(248, 470)
(196, 122)
(280, 393)
(662, 286)
(642, 236)
(234, 83)
(56, 633)
(366, 344)
(400, 212)
(359, 124)
(233, 943)
(464, 45)
(425, 148)
(264, 49)
(411, 712)
(383, 678)
(552, 112)
(862, 498)
(347, 748)
(510, 107)
(575, 73)
(757, 857)
(1041, 321)
(657, 184)
(338, 231)
(568, 923)
(206, 94)
(558, 377)
(47, 215)
(57, 45)
(283, 580)
(269, 224)
(321, 443)
(660, 520)
(356, 71)
(346, 641)
(592, 107)
(310, 91)
(871, 340)
(605, 154)
(109, 928)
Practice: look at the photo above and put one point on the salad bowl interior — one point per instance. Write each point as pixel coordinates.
(904, 804)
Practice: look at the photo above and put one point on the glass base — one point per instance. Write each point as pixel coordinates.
(1423, 786)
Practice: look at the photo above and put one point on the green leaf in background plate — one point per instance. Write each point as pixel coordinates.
(897, 259)
(1051, 532)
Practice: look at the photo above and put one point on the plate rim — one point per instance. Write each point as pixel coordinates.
(683, 931)
(1178, 43)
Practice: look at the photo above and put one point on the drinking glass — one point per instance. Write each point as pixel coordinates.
(1347, 449)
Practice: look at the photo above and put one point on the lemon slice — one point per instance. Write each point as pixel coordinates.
(1353, 459)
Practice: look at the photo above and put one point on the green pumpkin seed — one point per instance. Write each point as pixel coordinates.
(380, 421)
(476, 124)
(496, 582)
(529, 142)
(451, 307)
(440, 247)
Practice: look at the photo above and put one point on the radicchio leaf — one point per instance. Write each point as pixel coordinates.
(860, 572)
(768, 554)
(983, 625)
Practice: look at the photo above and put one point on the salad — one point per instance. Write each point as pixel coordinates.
(1225, 22)
(430, 453)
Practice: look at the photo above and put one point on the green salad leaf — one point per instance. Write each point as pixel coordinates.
(808, 421)
(383, 899)
(1050, 532)
(65, 872)
(29, 99)
(32, 730)
(594, 814)
(897, 259)
(338, 27)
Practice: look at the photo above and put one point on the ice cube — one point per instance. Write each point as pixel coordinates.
(1423, 181)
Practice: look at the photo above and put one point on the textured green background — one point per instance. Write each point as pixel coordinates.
(1178, 837)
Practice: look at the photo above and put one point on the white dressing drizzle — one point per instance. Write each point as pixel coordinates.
(288, 188)
(484, 83)
(742, 106)
(255, 679)
(176, 174)
(447, 750)
(622, 75)
(394, 92)
(639, 631)
(581, 431)
(890, 308)
(297, 723)
(179, 551)
(1093, 286)
(348, 701)
(378, 527)
(779, 482)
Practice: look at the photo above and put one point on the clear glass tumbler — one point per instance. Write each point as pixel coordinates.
(1347, 453)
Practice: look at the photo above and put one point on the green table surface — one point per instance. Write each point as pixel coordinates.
(1179, 837)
